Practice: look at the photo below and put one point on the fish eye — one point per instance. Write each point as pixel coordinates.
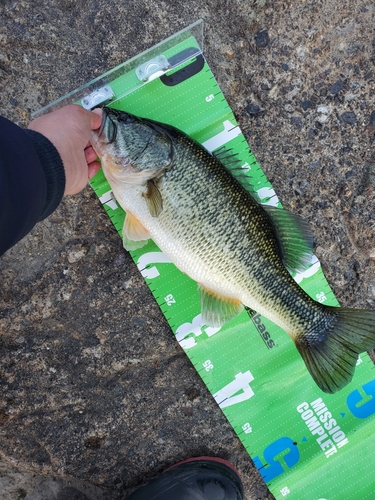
(124, 117)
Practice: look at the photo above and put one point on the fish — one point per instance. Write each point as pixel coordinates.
(209, 222)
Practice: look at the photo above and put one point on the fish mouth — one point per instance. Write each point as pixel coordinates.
(113, 115)
(111, 128)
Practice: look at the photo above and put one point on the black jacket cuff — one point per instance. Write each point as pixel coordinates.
(53, 168)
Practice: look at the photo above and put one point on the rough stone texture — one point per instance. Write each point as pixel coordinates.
(93, 384)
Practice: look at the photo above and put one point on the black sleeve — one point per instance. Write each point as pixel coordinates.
(32, 181)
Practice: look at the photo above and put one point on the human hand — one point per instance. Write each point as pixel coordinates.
(69, 130)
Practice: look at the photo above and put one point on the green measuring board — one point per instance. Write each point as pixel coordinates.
(307, 445)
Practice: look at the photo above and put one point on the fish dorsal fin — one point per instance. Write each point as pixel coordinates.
(294, 236)
(229, 159)
(154, 199)
(216, 309)
(235, 166)
(134, 234)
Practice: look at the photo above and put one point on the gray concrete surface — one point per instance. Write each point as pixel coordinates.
(95, 392)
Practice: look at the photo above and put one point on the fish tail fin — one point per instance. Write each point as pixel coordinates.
(330, 349)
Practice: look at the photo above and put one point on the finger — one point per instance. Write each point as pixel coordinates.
(89, 145)
(93, 168)
(90, 154)
(96, 118)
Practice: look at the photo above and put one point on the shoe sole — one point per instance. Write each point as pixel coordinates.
(207, 459)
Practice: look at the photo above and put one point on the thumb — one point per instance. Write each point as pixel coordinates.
(96, 118)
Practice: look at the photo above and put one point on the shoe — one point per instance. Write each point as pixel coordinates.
(203, 478)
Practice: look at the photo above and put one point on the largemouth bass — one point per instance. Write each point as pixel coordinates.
(214, 229)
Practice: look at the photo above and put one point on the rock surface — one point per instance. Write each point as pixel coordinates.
(94, 388)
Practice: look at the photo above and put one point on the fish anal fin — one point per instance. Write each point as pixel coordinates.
(330, 349)
(134, 234)
(153, 198)
(217, 309)
(294, 236)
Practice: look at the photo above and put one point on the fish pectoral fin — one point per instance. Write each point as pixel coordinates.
(134, 234)
(216, 309)
(294, 236)
(154, 199)
(330, 349)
